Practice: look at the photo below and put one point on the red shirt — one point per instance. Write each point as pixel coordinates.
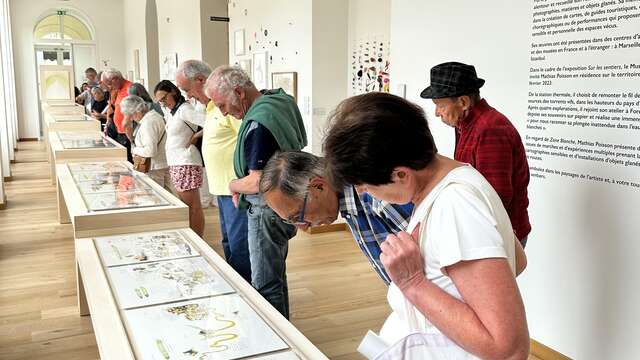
(488, 141)
(118, 117)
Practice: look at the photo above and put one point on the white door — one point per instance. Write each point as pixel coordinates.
(50, 55)
(84, 56)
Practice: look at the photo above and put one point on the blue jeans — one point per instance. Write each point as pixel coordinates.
(234, 228)
(268, 247)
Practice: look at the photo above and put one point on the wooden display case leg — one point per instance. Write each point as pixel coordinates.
(83, 306)
(63, 212)
(52, 168)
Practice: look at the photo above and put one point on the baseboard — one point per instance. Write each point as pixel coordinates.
(28, 139)
(544, 352)
(327, 228)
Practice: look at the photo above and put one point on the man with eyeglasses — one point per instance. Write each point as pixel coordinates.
(294, 186)
(271, 122)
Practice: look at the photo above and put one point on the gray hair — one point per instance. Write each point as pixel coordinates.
(226, 78)
(290, 172)
(139, 90)
(133, 104)
(112, 73)
(192, 68)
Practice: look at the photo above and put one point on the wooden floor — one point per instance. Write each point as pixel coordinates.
(335, 296)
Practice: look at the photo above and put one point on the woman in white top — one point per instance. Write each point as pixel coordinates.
(149, 137)
(454, 294)
(184, 159)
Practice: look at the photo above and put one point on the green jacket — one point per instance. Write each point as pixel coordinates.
(279, 113)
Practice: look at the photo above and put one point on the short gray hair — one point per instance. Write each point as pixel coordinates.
(192, 68)
(133, 104)
(139, 90)
(112, 73)
(290, 172)
(226, 78)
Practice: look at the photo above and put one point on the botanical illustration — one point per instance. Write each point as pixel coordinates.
(83, 140)
(112, 184)
(145, 247)
(123, 200)
(220, 327)
(165, 281)
(108, 176)
(87, 144)
(70, 116)
(98, 166)
(286, 355)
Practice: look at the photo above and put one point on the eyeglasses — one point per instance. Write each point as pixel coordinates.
(300, 220)
(163, 98)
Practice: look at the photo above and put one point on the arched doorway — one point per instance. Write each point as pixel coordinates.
(65, 37)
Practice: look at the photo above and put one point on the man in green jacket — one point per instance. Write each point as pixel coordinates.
(271, 122)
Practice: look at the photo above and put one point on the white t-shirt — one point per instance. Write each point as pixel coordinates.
(462, 218)
(180, 128)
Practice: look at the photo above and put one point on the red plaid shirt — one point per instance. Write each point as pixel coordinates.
(488, 141)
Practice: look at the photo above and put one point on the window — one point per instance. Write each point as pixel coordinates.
(62, 26)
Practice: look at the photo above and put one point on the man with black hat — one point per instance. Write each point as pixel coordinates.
(485, 138)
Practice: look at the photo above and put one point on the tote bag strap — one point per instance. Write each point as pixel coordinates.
(423, 211)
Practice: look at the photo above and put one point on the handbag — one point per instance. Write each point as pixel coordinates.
(143, 164)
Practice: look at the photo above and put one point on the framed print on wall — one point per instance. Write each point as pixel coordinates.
(168, 66)
(245, 64)
(238, 42)
(260, 73)
(288, 81)
(136, 63)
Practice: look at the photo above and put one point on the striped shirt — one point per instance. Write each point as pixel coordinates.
(488, 141)
(370, 221)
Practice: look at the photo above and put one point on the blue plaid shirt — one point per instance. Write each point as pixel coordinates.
(370, 221)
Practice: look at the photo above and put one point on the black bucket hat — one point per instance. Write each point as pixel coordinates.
(452, 79)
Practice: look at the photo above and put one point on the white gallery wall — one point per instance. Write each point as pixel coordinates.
(282, 29)
(8, 109)
(179, 29)
(136, 39)
(107, 19)
(169, 28)
(581, 286)
(330, 59)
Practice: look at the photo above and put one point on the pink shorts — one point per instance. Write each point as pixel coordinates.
(186, 177)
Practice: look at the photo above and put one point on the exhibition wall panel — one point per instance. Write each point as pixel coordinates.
(566, 74)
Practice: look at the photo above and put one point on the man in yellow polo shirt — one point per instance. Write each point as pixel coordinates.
(219, 137)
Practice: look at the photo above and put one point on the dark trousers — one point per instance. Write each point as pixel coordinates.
(234, 228)
(123, 140)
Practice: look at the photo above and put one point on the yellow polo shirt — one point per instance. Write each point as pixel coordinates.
(218, 144)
